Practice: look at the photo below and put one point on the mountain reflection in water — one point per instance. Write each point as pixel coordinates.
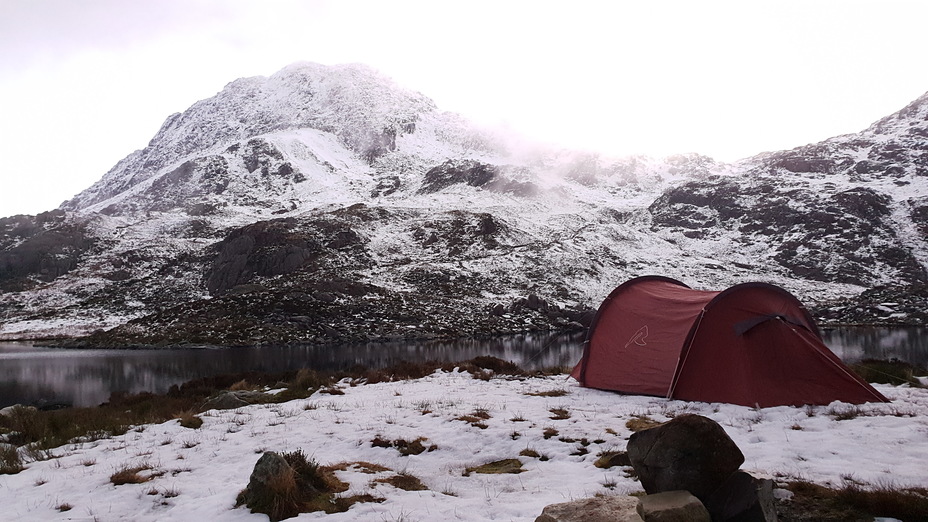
(31, 375)
(87, 377)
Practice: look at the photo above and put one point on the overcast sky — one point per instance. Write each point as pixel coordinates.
(83, 83)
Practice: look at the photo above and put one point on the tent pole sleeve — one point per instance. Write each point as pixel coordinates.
(584, 360)
(681, 360)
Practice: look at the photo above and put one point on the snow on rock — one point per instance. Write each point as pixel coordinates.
(197, 473)
(380, 190)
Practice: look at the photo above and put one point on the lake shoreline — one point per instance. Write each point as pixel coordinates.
(30, 372)
(82, 342)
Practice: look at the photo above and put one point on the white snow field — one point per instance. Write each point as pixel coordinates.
(197, 473)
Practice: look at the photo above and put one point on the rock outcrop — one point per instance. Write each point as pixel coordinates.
(690, 452)
(689, 468)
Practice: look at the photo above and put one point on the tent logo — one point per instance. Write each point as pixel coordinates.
(639, 337)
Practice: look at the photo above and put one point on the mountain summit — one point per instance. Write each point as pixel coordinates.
(328, 204)
(357, 106)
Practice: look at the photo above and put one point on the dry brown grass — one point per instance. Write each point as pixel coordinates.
(133, 475)
(608, 459)
(497, 467)
(560, 392)
(893, 372)
(302, 487)
(189, 419)
(404, 481)
(405, 447)
(476, 418)
(243, 385)
(10, 461)
(813, 502)
(641, 423)
(359, 465)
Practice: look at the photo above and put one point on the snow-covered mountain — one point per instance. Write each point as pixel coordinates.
(327, 203)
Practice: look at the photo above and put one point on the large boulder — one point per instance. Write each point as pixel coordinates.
(595, 509)
(690, 452)
(743, 498)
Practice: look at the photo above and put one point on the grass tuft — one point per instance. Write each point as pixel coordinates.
(302, 486)
(243, 385)
(641, 423)
(840, 413)
(476, 418)
(496, 468)
(405, 447)
(608, 459)
(404, 481)
(10, 461)
(853, 502)
(559, 392)
(188, 419)
(362, 466)
(893, 372)
(132, 475)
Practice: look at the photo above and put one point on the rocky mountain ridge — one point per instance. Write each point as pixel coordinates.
(325, 204)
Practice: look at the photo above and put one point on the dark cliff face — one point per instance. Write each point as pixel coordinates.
(40, 248)
(843, 236)
(280, 247)
(476, 174)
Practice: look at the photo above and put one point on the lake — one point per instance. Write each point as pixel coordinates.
(35, 375)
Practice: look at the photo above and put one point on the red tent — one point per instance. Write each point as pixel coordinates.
(753, 344)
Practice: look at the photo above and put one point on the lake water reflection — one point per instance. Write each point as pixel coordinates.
(31, 374)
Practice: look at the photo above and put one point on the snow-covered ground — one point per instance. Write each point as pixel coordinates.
(200, 471)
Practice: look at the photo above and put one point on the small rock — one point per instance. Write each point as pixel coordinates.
(324, 297)
(690, 452)
(10, 410)
(246, 289)
(536, 303)
(596, 509)
(264, 490)
(229, 400)
(672, 506)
